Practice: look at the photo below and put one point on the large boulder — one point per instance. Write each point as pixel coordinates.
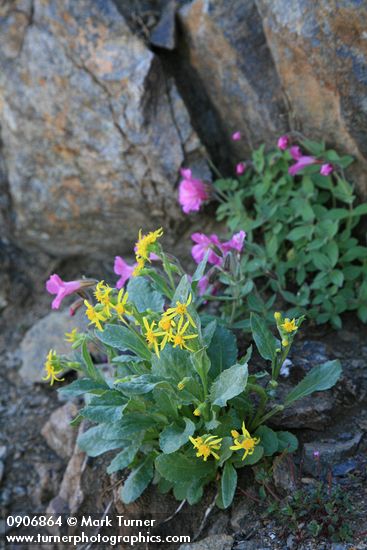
(226, 50)
(320, 53)
(93, 132)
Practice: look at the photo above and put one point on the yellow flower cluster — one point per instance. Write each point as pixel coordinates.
(172, 328)
(108, 305)
(143, 248)
(286, 327)
(206, 445)
(52, 367)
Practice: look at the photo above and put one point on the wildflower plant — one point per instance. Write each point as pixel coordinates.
(298, 211)
(178, 406)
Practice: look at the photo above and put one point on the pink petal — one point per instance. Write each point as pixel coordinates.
(296, 152)
(302, 163)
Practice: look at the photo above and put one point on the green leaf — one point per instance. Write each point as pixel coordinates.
(228, 384)
(91, 370)
(130, 424)
(143, 296)
(182, 291)
(222, 351)
(304, 231)
(137, 481)
(93, 442)
(122, 338)
(355, 253)
(124, 458)
(105, 408)
(80, 387)
(268, 440)
(209, 331)
(287, 442)
(177, 466)
(321, 261)
(320, 378)
(141, 384)
(174, 436)
(265, 342)
(228, 484)
(250, 460)
(360, 210)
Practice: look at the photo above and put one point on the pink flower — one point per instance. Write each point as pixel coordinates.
(283, 143)
(240, 168)
(55, 285)
(302, 160)
(326, 169)
(296, 152)
(235, 243)
(124, 270)
(236, 136)
(203, 285)
(192, 192)
(205, 243)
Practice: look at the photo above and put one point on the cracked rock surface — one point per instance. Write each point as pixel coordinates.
(93, 132)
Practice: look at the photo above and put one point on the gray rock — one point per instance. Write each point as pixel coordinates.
(60, 436)
(91, 142)
(331, 451)
(320, 52)
(48, 333)
(215, 542)
(250, 545)
(71, 494)
(228, 54)
(164, 33)
(284, 473)
(3, 452)
(1, 470)
(312, 412)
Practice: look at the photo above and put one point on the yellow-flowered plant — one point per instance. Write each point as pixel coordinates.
(177, 393)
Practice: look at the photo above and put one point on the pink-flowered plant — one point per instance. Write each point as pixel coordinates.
(240, 168)
(326, 169)
(301, 160)
(236, 136)
(203, 244)
(283, 143)
(124, 270)
(55, 285)
(192, 192)
(235, 243)
(217, 249)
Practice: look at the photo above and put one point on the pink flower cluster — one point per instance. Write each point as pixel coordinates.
(55, 285)
(192, 192)
(302, 160)
(217, 250)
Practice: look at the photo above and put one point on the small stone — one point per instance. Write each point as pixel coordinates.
(331, 452)
(215, 542)
(60, 436)
(249, 545)
(290, 542)
(344, 468)
(283, 473)
(47, 333)
(240, 515)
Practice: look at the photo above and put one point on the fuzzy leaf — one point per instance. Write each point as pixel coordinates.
(174, 436)
(228, 384)
(320, 378)
(137, 481)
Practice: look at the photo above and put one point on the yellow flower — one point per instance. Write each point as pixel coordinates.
(244, 441)
(179, 339)
(94, 316)
(277, 316)
(72, 336)
(151, 336)
(167, 325)
(142, 247)
(52, 367)
(206, 446)
(102, 294)
(120, 306)
(197, 412)
(285, 342)
(181, 311)
(139, 267)
(288, 325)
(181, 386)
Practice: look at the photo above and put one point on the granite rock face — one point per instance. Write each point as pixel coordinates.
(226, 48)
(92, 138)
(320, 53)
